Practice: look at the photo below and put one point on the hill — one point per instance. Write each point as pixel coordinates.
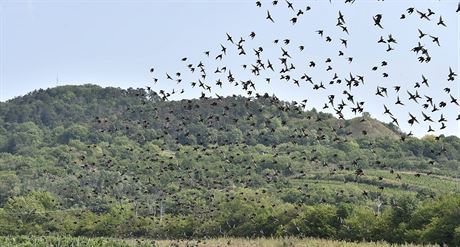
(92, 161)
(66, 105)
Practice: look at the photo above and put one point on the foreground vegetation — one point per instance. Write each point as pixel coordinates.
(47, 241)
(258, 242)
(434, 221)
(87, 161)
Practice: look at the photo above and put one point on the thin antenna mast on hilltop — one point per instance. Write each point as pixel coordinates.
(57, 79)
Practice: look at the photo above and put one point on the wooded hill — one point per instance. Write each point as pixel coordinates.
(92, 161)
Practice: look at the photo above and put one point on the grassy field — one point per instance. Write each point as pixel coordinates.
(408, 184)
(220, 242)
(321, 184)
(267, 242)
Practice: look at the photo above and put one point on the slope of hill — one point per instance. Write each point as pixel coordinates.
(66, 105)
(91, 161)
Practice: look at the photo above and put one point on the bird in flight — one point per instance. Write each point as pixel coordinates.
(269, 17)
(377, 19)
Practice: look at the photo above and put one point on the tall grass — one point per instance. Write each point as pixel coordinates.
(54, 241)
(274, 242)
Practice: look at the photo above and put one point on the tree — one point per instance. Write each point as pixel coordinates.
(74, 132)
(436, 221)
(9, 186)
(364, 225)
(25, 135)
(316, 221)
(28, 214)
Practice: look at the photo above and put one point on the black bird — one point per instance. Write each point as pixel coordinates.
(435, 40)
(290, 5)
(443, 126)
(451, 75)
(418, 48)
(412, 120)
(426, 117)
(379, 92)
(429, 100)
(341, 18)
(229, 38)
(423, 15)
(441, 22)
(453, 100)
(442, 119)
(285, 53)
(391, 39)
(429, 130)
(412, 97)
(421, 34)
(223, 49)
(389, 48)
(394, 120)
(269, 17)
(424, 81)
(377, 19)
(387, 111)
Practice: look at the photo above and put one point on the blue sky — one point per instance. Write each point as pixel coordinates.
(115, 43)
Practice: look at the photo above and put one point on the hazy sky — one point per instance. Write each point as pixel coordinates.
(115, 43)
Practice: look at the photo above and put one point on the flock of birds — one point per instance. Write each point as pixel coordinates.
(286, 70)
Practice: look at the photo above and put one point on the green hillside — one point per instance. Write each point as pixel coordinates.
(107, 162)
